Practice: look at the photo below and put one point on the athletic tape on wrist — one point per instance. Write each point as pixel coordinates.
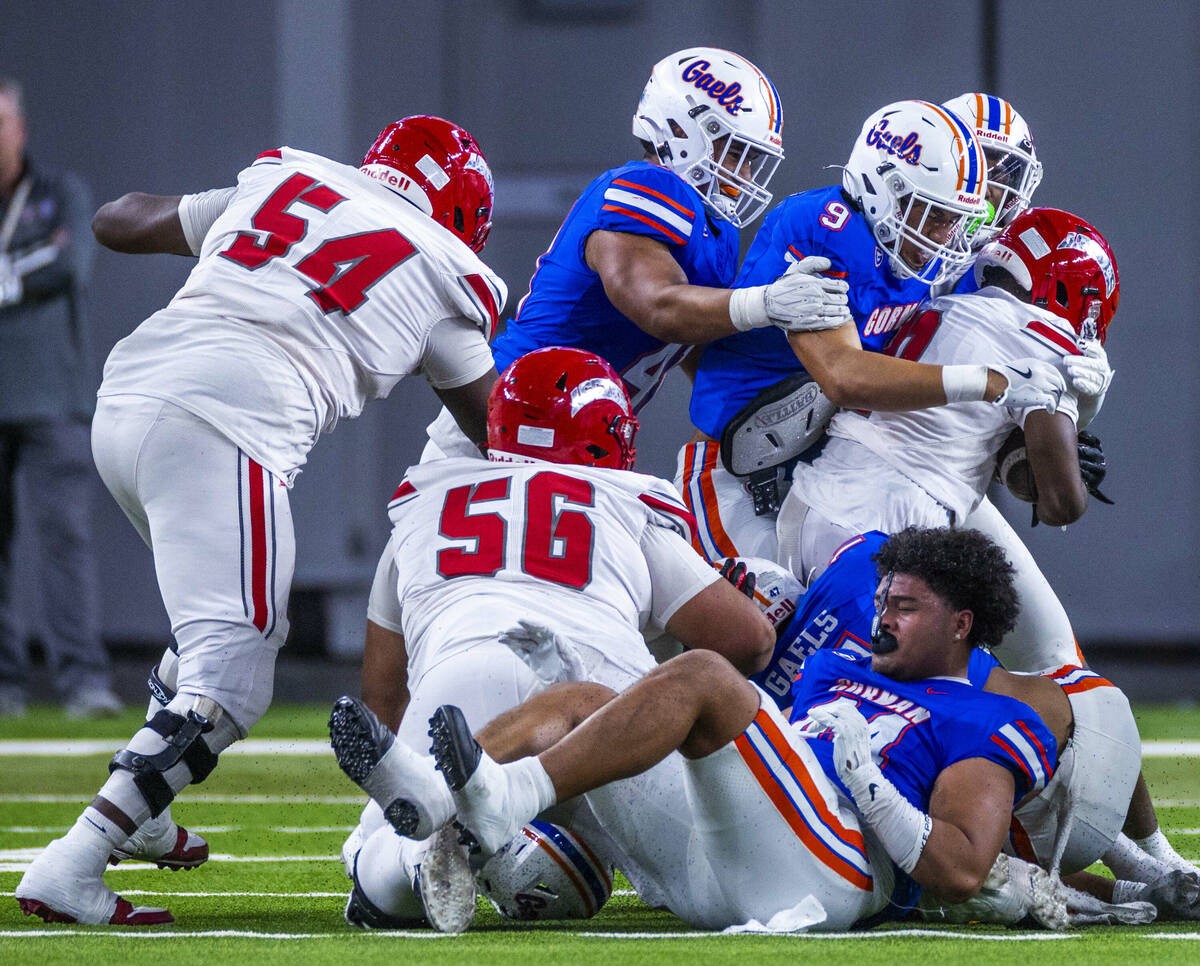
(964, 383)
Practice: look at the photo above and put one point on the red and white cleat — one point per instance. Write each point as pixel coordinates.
(177, 849)
(61, 886)
(126, 914)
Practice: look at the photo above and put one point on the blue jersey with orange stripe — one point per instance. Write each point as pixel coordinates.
(733, 370)
(566, 303)
(920, 728)
(836, 611)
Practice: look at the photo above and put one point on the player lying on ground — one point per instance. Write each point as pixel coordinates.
(778, 811)
(1075, 820)
(318, 287)
(553, 528)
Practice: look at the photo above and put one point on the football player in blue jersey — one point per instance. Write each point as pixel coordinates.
(913, 188)
(933, 777)
(640, 269)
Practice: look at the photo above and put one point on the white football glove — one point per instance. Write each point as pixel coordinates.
(1090, 376)
(900, 826)
(1032, 384)
(549, 657)
(800, 300)
(1012, 891)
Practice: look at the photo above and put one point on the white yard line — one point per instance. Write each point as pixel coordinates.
(69, 747)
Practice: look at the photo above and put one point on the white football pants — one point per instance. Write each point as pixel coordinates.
(220, 528)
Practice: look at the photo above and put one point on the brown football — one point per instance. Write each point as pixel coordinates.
(1013, 469)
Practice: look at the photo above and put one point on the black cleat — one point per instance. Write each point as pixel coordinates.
(364, 914)
(360, 740)
(454, 747)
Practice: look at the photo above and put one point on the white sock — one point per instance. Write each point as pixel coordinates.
(532, 789)
(1156, 844)
(1129, 861)
(1124, 891)
(92, 838)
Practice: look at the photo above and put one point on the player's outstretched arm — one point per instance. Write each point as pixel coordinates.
(645, 283)
(1051, 444)
(468, 405)
(141, 224)
(971, 807)
(854, 379)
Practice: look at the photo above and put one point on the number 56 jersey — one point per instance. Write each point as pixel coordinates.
(316, 290)
(592, 553)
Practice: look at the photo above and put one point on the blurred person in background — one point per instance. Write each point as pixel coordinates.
(45, 410)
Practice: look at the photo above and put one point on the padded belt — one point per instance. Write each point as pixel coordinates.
(780, 424)
(184, 743)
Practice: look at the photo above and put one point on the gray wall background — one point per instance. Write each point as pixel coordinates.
(173, 97)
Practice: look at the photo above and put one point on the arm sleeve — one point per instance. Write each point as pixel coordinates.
(197, 212)
(456, 354)
(383, 606)
(1023, 745)
(677, 572)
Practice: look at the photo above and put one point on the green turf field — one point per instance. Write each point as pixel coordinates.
(274, 892)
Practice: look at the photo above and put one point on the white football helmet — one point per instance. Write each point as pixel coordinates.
(545, 871)
(918, 174)
(1014, 171)
(714, 119)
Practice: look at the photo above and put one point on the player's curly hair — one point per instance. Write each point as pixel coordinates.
(963, 567)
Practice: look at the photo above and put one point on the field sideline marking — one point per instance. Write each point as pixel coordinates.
(426, 934)
(68, 747)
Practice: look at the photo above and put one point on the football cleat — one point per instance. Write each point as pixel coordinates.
(1176, 895)
(488, 811)
(404, 783)
(56, 889)
(187, 850)
(362, 913)
(446, 883)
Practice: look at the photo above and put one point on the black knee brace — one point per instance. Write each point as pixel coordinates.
(184, 743)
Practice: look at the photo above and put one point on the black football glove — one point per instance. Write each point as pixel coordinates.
(1092, 465)
(738, 574)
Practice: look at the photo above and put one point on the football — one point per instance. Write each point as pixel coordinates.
(1013, 469)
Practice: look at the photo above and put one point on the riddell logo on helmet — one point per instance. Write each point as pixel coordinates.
(729, 96)
(904, 146)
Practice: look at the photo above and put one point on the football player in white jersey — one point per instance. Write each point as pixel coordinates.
(318, 287)
(554, 530)
(1050, 282)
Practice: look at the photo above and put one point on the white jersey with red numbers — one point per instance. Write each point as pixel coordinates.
(317, 289)
(948, 451)
(592, 553)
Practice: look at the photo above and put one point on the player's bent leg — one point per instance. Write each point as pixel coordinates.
(774, 832)
(726, 525)
(406, 785)
(1043, 637)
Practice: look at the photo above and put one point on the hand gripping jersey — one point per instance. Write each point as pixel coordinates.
(948, 452)
(566, 304)
(733, 370)
(591, 553)
(317, 289)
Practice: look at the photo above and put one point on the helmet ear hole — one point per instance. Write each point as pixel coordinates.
(459, 221)
(1061, 295)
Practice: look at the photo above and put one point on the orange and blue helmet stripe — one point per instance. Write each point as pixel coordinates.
(993, 114)
(972, 167)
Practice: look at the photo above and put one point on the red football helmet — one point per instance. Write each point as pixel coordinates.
(565, 406)
(1063, 262)
(438, 167)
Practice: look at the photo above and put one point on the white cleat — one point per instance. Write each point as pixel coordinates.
(167, 845)
(480, 786)
(56, 889)
(446, 883)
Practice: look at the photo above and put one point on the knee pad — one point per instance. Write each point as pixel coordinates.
(181, 754)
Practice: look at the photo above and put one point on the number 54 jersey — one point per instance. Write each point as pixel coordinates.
(316, 290)
(592, 553)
